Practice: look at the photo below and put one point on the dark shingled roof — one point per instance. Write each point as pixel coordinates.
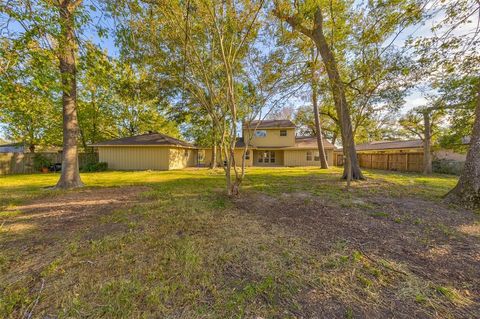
(311, 142)
(151, 139)
(381, 145)
(270, 124)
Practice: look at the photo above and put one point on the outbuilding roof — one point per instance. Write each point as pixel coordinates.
(269, 124)
(149, 139)
(381, 145)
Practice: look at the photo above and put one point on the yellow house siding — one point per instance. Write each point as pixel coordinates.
(181, 157)
(273, 137)
(208, 157)
(299, 158)
(238, 157)
(135, 158)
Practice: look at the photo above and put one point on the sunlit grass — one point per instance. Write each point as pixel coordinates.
(16, 188)
(185, 246)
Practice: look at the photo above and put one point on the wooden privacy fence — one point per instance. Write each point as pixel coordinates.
(405, 162)
(22, 163)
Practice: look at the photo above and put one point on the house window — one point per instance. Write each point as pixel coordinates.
(261, 133)
(316, 158)
(283, 132)
(186, 153)
(266, 157)
(247, 155)
(309, 156)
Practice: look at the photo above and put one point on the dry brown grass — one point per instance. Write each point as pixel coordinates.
(295, 245)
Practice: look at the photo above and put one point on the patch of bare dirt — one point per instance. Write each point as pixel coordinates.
(435, 242)
(44, 226)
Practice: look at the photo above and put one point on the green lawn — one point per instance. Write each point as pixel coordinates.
(183, 249)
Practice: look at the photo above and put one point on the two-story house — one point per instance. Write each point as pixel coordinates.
(268, 143)
(273, 143)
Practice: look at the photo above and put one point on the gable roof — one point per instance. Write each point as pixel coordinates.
(270, 124)
(380, 145)
(149, 139)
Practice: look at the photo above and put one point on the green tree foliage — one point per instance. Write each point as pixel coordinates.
(451, 52)
(355, 41)
(458, 95)
(29, 94)
(215, 62)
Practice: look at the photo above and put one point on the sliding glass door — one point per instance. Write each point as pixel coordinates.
(266, 157)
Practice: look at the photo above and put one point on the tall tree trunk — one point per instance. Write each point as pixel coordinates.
(316, 115)
(427, 141)
(213, 163)
(70, 177)
(339, 97)
(467, 190)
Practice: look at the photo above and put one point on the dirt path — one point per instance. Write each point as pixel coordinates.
(435, 242)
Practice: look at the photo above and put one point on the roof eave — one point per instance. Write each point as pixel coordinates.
(136, 145)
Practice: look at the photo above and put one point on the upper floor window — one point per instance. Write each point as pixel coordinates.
(283, 132)
(261, 133)
(309, 156)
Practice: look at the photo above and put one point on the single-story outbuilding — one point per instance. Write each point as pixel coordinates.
(155, 151)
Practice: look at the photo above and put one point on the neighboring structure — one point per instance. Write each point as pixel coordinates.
(270, 143)
(398, 155)
(12, 148)
(154, 151)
